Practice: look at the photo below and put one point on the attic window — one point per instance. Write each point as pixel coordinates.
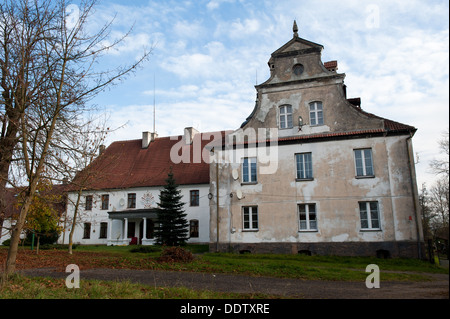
(298, 69)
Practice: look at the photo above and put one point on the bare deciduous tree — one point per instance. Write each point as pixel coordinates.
(55, 77)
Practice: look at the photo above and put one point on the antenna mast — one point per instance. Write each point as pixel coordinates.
(154, 104)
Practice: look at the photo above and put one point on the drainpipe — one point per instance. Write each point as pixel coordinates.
(217, 203)
(414, 191)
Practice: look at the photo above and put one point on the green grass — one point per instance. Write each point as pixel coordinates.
(335, 268)
(319, 267)
(272, 265)
(22, 287)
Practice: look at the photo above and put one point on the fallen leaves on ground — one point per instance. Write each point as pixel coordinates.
(59, 259)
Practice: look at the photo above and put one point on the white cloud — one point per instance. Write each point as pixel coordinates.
(215, 4)
(187, 29)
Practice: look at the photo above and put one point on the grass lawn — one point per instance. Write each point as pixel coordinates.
(121, 257)
(22, 287)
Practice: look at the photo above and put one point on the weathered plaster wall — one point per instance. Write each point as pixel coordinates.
(335, 190)
(339, 116)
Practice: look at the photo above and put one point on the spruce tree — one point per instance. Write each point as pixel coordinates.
(173, 225)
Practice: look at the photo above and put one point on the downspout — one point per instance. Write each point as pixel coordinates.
(414, 191)
(217, 204)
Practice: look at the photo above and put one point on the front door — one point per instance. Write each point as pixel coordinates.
(131, 229)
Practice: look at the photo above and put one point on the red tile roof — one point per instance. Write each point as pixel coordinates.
(13, 196)
(125, 164)
(389, 125)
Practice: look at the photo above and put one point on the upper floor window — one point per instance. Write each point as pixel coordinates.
(131, 200)
(364, 163)
(316, 113)
(249, 170)
(304, 166)
(88, 205)
(286, 116)
(195, 198)
(105, 201)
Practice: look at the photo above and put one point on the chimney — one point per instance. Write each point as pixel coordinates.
(147, 138)
(101, 149)
(189, 133)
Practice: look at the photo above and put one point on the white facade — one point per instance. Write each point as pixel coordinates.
(117, 225)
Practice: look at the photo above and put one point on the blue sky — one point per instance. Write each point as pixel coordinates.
(207, 56)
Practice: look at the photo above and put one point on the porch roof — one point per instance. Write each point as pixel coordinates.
(135, 213)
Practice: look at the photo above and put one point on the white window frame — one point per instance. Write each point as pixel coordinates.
(367, 209)
(252, 211)
(302, 167)
(247, 176)
(307, 226)
(364, 165)
(314, 112)
(286, 116)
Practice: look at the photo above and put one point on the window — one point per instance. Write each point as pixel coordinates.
(249, 170)
(103, 230)
(307, 217)
(304, 165)
(87, 231)
(88, 205)
(193, 228)
(250, 218)
(363, 162)
(131, 200)
(298, 69)
(370, 218)
(195, 198)
(286, 116)
(316, 113)
(150, 228)
(105, 202)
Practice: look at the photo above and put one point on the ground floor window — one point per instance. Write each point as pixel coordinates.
(369, 214)
(103, 230)
(150, 229)
(87, 231)
(307, 217)
(250, 217)
(193, 228)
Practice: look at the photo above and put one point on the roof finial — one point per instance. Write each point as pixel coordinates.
(295, 29)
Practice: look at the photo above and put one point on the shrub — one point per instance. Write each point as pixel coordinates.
(176, 254)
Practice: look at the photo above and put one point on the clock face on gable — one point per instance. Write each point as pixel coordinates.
(298, 69)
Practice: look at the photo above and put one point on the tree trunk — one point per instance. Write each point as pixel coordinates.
(37, 245)
(15, 237)
(74, 221)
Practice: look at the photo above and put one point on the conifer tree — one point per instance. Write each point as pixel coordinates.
(173, 225)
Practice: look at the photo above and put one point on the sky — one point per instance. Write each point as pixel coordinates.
(207, 56)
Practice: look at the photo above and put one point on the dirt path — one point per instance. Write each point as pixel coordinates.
(437, 288)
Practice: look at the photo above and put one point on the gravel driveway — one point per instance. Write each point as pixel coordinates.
(437, 288)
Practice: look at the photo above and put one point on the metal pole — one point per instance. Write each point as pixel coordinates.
(217, 203)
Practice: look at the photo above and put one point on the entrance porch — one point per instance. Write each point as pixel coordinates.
(132, 227)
